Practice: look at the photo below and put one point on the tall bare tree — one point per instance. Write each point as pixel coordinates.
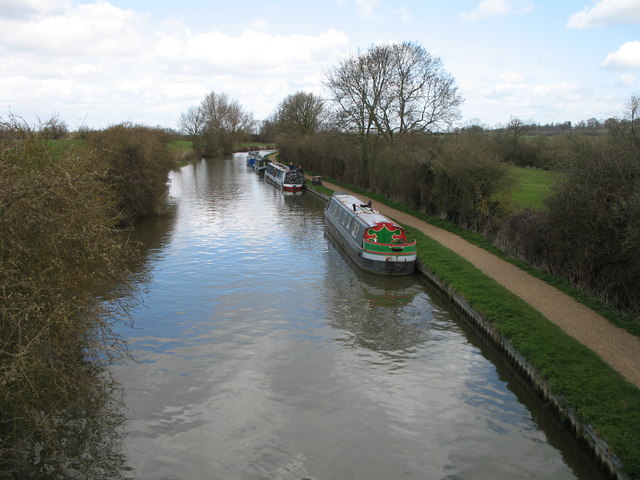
(633, 110)
(301, 113)
(393, 89)
(227, 122)
(218, 122)
(194, 124)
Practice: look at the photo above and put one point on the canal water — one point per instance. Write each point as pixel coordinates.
(261, 352)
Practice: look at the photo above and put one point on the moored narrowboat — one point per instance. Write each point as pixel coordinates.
(261, 163)
(251, 158)
(373, 241)
(289, 179)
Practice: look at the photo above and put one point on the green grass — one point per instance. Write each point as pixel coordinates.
(180, 145)
(532, 187)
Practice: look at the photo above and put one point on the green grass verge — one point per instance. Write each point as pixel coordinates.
(599, 394)
(532, 187)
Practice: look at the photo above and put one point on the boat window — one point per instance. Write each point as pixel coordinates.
(354, 229)
(344, 217)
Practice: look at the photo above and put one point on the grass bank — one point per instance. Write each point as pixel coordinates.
(532, 187)
(600, 396)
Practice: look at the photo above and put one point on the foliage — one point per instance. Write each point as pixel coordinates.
(594, 221)
(138, 163)
(54, 128)
(59, 416)
(298, 114)
(453, 177)
(216, 125)
(467, 183)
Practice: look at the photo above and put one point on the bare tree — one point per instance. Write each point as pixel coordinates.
(226, 122)
(394, 89)
(301, 113)
(54, 128)
(633, 109)
(516, 128)
(193, 124)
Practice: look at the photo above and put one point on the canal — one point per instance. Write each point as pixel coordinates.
(261, 352)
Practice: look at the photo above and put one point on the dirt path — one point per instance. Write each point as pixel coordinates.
(614, 345)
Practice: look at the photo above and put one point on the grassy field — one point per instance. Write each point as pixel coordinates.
(532, 187)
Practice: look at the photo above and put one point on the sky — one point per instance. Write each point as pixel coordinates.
(96, 63)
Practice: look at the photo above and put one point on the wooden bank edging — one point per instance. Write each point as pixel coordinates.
(583, 431)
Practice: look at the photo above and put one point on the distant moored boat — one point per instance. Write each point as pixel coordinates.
(289, 179)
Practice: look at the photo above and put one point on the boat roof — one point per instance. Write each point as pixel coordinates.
(279, 166)
(369, 215)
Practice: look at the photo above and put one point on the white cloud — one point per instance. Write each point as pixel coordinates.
(607, 12)
(85, 30)
(627, 80)
(250, 53)
(258, 24)
(627, 57)
(403, 14)
(98, 61)
(366, 8)
(25, 8)
(512, 77)
(496, 8)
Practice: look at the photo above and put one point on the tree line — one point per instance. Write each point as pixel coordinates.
(64, 209)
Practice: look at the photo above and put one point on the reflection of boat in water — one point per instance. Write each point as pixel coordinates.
(386, 314)
(374, 242)
(290, 180)
(387, 297)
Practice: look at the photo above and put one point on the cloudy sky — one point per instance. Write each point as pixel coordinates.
(96, 63)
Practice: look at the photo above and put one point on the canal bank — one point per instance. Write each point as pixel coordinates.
(584, 349)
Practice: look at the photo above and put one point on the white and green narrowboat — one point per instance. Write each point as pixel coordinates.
(373, 241)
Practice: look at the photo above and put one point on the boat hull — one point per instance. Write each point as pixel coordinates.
(387, 265)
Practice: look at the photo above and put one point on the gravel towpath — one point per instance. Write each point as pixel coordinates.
(614, 345)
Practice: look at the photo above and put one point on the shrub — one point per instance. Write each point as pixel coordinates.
(58, 249)
(138, 162)
(595, 221)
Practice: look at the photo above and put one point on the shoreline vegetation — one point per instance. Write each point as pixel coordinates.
(587, 387)
(66, 209)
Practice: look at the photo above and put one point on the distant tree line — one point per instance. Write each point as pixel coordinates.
(62, 251)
